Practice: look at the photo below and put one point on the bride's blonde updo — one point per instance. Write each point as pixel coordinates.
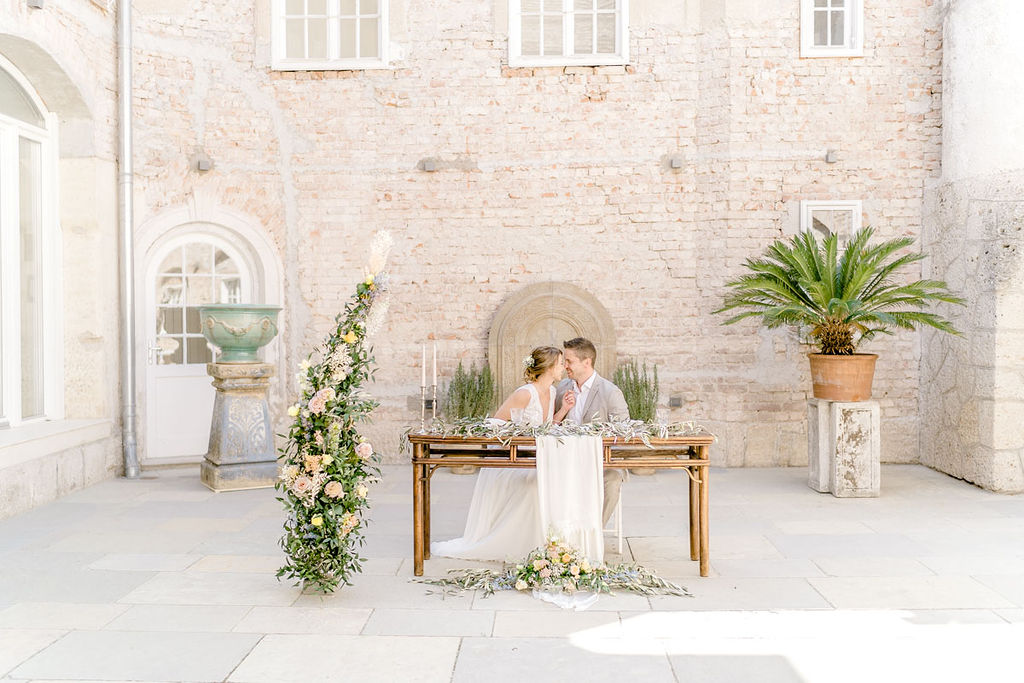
(537, 362)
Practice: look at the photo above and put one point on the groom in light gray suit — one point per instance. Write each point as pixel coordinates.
(592, 399)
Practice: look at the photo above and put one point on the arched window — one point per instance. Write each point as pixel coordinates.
(30, 338)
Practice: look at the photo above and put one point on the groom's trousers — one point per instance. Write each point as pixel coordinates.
(612, 485)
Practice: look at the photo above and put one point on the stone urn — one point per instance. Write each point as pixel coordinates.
(241, 454)
(239, 330)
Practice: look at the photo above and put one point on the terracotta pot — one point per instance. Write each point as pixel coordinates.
(843, 378)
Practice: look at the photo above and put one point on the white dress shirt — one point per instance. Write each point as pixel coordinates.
(582, 392)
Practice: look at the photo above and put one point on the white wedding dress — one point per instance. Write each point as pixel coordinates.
(504, 520)
(514, 511)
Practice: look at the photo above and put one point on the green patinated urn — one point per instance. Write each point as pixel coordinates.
(239, 330)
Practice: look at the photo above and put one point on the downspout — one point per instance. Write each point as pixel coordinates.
(126, 224)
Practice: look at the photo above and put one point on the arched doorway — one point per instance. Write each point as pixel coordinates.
(184, 273)
(187, 263)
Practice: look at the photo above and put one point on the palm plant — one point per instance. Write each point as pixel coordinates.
(843, 299)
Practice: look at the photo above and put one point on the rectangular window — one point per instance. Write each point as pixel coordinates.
(30, 210)
(568, 32)
(840, 217)
(315, 35)
(30, 330)
(831, 28)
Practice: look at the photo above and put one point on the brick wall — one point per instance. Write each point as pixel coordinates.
(557, 174)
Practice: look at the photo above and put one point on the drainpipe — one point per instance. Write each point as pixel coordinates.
(126, 223)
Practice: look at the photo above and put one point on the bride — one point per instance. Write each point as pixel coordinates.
(504, 520)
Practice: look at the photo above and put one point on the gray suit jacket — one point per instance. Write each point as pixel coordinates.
(604, 402)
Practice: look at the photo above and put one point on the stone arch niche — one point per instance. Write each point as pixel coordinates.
(547, 313)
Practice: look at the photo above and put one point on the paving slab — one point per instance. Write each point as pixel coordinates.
(140, 656)
(918, 592)
(367, 659)
(18, 644)
(553, 659)
(332, 620)
(184, 618)
(59, 615)
(212, 588)
(430, 622)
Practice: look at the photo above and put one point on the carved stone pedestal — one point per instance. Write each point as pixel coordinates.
(844, 448)
(241, 454)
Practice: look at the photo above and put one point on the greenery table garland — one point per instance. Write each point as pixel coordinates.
(326, 464)
(560, 568)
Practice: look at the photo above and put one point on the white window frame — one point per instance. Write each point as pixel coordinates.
(808, 206)
(515, 40)
(278, 42)
(50, 245)
(853, 28)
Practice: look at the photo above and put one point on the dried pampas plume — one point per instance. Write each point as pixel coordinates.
(379, 250)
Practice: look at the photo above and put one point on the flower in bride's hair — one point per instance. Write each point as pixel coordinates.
(528, 360)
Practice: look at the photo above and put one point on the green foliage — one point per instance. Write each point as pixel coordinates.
(639, 389)
(326, 464)
(842, 299)
(471, 393)
(560, 568)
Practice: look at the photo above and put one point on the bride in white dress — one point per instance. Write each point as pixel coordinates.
(504, 521)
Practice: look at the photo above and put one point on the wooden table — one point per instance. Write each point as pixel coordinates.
(687, 453)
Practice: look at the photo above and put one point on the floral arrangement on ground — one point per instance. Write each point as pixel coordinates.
(503, 431)
(558, 567)
(326, 465)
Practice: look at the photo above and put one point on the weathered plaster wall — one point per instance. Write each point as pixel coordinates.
(972, 396)
(67, 52)
(557, 174)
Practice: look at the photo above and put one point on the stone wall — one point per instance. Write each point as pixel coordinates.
(67, 52)
(972, 395)
(557, 174)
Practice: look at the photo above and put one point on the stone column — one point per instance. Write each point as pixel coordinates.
(241, 454)
(844, 448)
(972, 397)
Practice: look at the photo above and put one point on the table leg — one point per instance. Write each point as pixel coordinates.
(417, 511)
(705, 472)
(426, 512)
(694, 514)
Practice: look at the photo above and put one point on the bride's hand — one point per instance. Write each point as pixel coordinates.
(569, 400)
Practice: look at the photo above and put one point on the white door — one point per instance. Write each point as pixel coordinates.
(184, 274)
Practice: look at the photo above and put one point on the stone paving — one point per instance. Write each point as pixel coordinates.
(162, 580)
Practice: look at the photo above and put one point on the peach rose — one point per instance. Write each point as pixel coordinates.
(334, 489)
(302, 485)
(364, 450)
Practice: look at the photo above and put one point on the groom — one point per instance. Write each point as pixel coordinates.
(592, 399)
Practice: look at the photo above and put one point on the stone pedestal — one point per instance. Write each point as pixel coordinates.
(241, 454)
(844, 448)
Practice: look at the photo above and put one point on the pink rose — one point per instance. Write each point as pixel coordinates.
(364, 450)
(318, 403)
(334, 489)
(302, 485)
